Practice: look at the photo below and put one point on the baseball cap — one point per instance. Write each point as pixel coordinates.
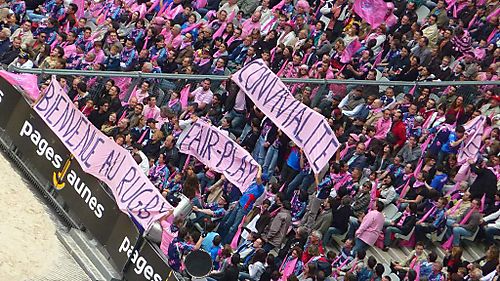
(24, 55)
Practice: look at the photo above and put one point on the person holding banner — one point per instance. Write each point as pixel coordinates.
(180, 247)
(241, 208)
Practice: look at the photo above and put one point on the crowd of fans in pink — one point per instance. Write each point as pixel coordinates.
(398, 174)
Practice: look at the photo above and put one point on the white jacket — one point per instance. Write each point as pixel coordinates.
(493, 220)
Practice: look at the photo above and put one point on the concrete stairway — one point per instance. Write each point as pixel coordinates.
(88, 255)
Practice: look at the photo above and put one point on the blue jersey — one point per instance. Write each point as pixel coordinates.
(253, 192)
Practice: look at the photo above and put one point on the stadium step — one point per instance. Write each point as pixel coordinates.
(381, 256)
(475, 250)
(86, 254)
(397, 254)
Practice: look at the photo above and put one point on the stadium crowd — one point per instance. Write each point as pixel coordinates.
(396, 178)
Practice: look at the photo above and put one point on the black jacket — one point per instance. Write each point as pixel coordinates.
(485, 183)
(341, 217)
(408, 224)
(10, 55)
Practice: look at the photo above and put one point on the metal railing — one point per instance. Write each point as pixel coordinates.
(139, 74)
(166, 83)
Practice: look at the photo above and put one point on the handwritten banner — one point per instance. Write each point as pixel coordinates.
(220, 153)
(102, 157)
(472, 143)
(306, 127)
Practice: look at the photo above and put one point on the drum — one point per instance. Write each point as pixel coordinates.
(155, 232)
(198, 263)
(184, 208)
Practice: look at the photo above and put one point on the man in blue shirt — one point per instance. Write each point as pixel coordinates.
(452, 144)
(439, 179)
(242, 207)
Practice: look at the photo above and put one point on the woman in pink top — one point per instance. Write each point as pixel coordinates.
(370, 228)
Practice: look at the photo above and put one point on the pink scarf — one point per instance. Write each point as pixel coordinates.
(230, 40)
(172, 102)
(141, 139)
(431, 211)
(234, 241)
(449, 243)
(191, 27)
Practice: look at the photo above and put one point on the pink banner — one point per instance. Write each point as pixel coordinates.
(220, 153)
(27, 82)
(472, 144)
(306, 127)
(102, 157)
(372, 11)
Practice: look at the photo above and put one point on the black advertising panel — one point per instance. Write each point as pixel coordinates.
(150, 264)
(44, 153)
(122, 240)
(9, 98)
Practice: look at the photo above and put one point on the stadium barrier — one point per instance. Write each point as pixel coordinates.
(165, 83)
(84, 201)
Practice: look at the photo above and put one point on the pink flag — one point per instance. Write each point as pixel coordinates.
(288, 268)
(372, 11)
(200, 4)
(141, 139)
(142, 10)
(221, 29)
(419, 167)
(279, 6)
(280, 72)
(123, 83)
(191, 27)
(412, 90)
(424, 145)
(492, 34)
(155, 4)
(172, 13)
(349, 52)
(494, 14)
(184, 95)
(234, 241)
(378, 59)
(27, 82)
(123, 115)
(81, 8)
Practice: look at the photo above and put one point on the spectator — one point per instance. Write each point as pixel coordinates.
(370, 228)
